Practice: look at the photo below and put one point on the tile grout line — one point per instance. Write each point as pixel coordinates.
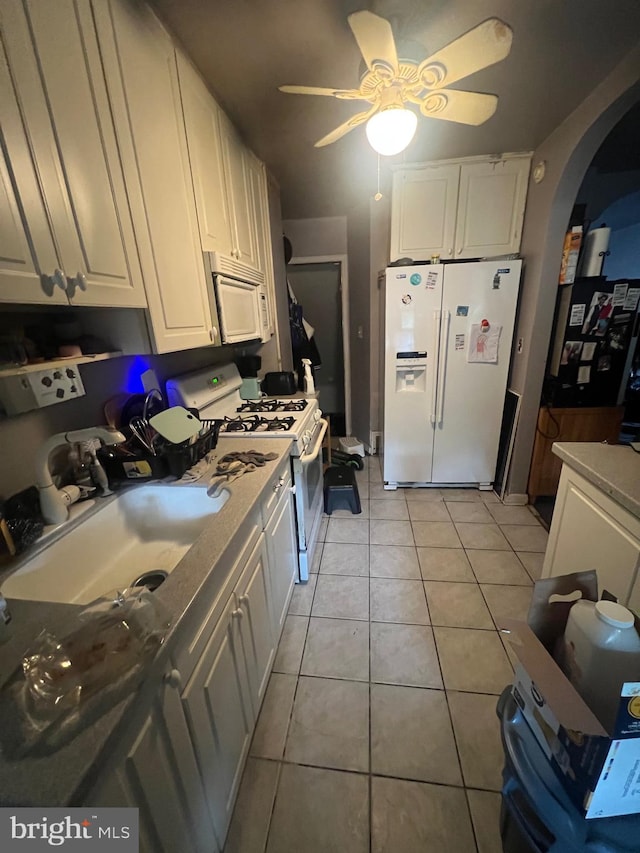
(371, 684)
(281, 761)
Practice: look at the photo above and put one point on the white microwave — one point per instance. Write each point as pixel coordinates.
(240, 299)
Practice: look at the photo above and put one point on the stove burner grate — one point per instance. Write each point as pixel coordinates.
(298, 405)
(255, 423)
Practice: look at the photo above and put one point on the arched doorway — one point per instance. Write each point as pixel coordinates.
(566, 155)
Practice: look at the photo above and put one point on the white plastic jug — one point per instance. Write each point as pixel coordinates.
(600, 652)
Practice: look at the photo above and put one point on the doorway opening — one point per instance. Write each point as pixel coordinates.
(591, 392)
(319, 285)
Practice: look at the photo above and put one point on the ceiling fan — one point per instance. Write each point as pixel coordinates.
(390, 84)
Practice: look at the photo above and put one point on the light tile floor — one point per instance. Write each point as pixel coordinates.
(378, 731)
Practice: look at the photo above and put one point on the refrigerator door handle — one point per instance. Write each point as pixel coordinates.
(442, 361)
(436, 349)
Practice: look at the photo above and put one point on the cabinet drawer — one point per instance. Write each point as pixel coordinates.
(280, 481)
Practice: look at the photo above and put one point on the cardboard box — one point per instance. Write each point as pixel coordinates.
(600, 771)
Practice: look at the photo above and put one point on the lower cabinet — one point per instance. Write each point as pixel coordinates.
(282, 551)
(158, 775)
(223, 696)
(182, 767)
(589, 530)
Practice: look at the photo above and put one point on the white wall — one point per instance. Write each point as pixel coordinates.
(567, 154)
(380, 214)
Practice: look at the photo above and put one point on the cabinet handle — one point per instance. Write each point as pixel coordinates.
(213, 334)
(238, 614)
(277, 486)
(59, 279)
(450, 252)
(81, 281)
(173, 678)
(460, 250)
(244, 599)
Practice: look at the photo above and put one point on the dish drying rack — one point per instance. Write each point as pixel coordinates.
(168, 459)
(181, 457)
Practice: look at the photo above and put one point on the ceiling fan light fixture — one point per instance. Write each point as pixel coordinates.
(390, 131)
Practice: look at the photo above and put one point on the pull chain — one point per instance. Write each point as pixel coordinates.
(378, 195)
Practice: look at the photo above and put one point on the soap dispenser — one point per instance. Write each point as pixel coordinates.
(309, 385)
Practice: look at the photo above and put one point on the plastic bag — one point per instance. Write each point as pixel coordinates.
(114, 639)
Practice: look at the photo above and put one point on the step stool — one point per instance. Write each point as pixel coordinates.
(341, 481)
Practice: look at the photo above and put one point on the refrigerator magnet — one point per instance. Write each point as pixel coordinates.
(462, 311)
(459, 342)
(406, 299)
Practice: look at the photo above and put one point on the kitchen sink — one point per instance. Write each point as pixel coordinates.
(145, 530)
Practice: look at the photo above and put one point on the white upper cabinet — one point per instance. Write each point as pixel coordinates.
(202, 120)
(28, 259)
(142, 79)
(459, 209)
(491, 207)
(57, 94)
(237, 173)
(423, 206)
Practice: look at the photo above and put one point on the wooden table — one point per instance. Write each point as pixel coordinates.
(576, 424)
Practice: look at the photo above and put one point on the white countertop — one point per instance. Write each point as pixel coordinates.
(613, 468)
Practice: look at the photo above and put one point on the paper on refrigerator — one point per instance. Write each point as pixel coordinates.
(484, 344)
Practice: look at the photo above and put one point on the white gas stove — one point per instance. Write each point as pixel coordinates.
(215, 392)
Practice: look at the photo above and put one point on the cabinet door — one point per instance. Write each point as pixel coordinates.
(254, 598)
(491, 207)
(28, 256)
(260, 201)
(159, 776)
(142, 77)
(201, 115)
(282, 552)
(236, 161)
(220, 716)
(65, 108)
(591, 531)
(423, 212)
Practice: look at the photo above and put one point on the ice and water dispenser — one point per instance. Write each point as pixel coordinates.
(411, 371)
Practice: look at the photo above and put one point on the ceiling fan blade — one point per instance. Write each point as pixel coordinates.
(347, 94)
(375, 40)
(339, 132)
(482, 46)
(463, 107)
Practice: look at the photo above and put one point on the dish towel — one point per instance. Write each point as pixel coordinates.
(234, 465)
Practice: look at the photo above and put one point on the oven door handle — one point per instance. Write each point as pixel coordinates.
(313, 454)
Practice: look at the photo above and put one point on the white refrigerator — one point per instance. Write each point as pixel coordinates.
(448, 337)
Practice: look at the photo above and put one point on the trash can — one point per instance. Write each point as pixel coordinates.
(537, 815)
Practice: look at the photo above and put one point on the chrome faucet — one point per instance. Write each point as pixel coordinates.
(52, 504)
